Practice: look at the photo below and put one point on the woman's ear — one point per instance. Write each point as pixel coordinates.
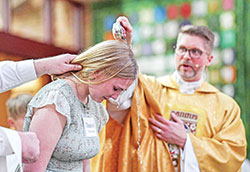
(92, 77)
(96, 75)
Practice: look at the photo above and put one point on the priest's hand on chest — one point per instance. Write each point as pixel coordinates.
(172, 131)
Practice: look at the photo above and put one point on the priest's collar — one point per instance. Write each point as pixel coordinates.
(172, 82)
(186, 87)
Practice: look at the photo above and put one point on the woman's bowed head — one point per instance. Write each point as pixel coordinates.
(108, 69)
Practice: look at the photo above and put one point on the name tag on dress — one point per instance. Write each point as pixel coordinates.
(89, 126)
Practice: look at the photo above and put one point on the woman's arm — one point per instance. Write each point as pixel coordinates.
(48, 124)
(86, 165)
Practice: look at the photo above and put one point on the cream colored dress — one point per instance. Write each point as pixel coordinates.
(77, 142)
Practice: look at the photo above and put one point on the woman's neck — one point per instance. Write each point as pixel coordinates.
(80, 89)
(117, 114)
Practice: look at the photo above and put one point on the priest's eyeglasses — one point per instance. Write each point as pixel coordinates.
(193, 52)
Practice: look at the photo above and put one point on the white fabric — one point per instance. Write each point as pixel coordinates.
(3, 165)
(13, 74)
(186, 87)
(12, 162)
(5, 147)
(12, 150)
(188, 158)
(245, 167)
(123, 101)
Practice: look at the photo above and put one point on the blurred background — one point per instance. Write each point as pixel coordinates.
(42, 28)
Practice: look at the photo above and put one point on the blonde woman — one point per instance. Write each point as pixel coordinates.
(67, 114)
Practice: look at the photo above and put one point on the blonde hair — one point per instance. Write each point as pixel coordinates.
(18, 105)
(112, 58)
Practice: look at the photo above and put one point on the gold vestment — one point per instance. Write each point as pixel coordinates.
(218, 134)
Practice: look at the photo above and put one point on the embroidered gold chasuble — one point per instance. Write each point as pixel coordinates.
(219, 141)
(217, 132)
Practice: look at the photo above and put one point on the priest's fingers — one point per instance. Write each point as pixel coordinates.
(176, 119)
(156, 129)
(156, 123)
(162, 119)
(160, 136)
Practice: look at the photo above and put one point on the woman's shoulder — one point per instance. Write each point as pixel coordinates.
(56, 91)
(59, 85)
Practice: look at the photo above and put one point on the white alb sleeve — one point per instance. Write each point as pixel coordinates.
(12, 149)
(5, 146)
(188, 158)
(13, 74)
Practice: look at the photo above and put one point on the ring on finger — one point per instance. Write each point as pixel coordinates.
(159, 130)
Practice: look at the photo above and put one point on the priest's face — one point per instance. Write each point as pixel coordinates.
(191, 57)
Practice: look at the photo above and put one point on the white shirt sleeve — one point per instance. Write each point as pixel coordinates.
(188, 158)
(13, 74)
(10, 150)
(5, 146)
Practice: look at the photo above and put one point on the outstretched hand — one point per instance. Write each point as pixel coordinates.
(56, 65)
(172, 132)
(127, 27)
